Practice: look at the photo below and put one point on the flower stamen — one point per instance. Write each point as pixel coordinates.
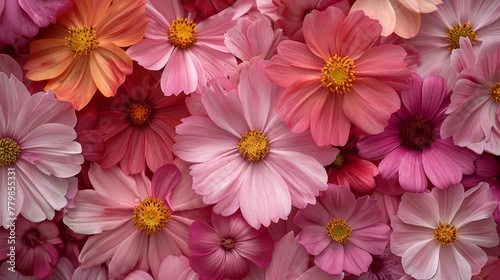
(139, 113)
(338, 74)
(151, 215)
(339, 230)
(457, 31)
(182, 33)
(417, 134)
(82, 40)
(495, 92)
(254, 145)
(9, 151)
(445, 234)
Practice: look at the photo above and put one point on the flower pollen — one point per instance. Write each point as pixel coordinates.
(254, 145)
(228, 243)
(460, 30)
(338, 74)
(139, 113)
(417, 134)
(339, 230)
(9, 151)
(82, 40)
(182, 33)
(445, 234)
(339, 160)
(495, 92)
(151, 215)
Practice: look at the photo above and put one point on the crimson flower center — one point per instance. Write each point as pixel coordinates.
(151, 215)
(32, 238)
(457, 31)
(139, 113)
(495, 92)
(445, 234)
(338, 230)
(338, 74)
(182, 33)
(228, 243)
(81, 40)
(254, 145)
(416, 134)
(9, 151)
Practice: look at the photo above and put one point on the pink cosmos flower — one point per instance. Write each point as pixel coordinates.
(341, 231)
(439, 234)
(36, 247)
(37, 151)
(441, 30)
(244, 156)
(23, 18)
(401, 17)
(138, 125)
(225, 249)
(136, 223)
(189, 50)
(475, 99)
(338, 80)
(411, 149)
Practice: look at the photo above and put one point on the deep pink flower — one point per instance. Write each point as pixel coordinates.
(337, 80)
(189, 50)
(36, 247)
(384, 266)
(411, 148)
(226, 249)
(341, 231)
(244, 156)
(138, 124)
(136, 222)
(439, 234)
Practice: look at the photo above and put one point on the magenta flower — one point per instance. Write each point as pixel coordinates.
(244, 156)
(139, 125)
(341, 231)
(338, 80)
(475, 99)
(36, 247)
(226, 249)
(190, 51)
(37, 151)
(411, 149)
(439, 234)
(136, 223)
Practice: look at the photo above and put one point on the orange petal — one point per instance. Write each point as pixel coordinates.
(109, 65)
(48, 59)
(85, 12)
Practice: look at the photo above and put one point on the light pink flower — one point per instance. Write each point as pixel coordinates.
(475, 99)
(36, 247)
(439, 234)
(38, 152)
(176, 268)
(244, 156)
(341, 231)
(136, 222)
(226, 249)
(441, 30)
(400, 16)
(337, 80)
(138, 124)
(411, 149)
(189, 51)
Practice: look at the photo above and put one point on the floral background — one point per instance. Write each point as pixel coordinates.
(249, 139)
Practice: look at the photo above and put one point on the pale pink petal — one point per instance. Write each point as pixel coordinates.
(473, 254)
(449, 201)
(329, 124)
(452, 264)
(289, 259)
(164, 180)
(407, 22)
(141, 52)
(180, 74)
(130, 254)
(405, 235)
(10, 67)
(172, 267)
(421, 260)
(419, 210)
(319, 274)
(479, 233)
(379, 10)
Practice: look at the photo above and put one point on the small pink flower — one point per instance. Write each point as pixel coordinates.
(226, 249)
(341, 231)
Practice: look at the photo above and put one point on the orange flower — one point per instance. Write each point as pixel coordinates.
(82, 51)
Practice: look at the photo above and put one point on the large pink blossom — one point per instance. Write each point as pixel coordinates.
(439, 234)
(411, 148)
(338, 80)
(244, 156)
(341, 231)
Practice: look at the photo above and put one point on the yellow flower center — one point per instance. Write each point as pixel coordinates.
(139, 113)
(182, 33)
(9, 151)
(338, 74)
(254, 145)
(339, 230)
(151, 215)
(81, 40)
(445, 234)
(460, 30)
(339, 160)
(495, 92)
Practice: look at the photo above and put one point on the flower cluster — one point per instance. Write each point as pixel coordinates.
(250, 139)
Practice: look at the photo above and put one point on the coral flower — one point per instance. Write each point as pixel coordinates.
(338, 80)
(139, 125)
(341, 231)
(244, 156)
(189, 51)
(439, 234)
(38, 152)
(411, 148)
(226, 249)
(82, 52)
(136, 222)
